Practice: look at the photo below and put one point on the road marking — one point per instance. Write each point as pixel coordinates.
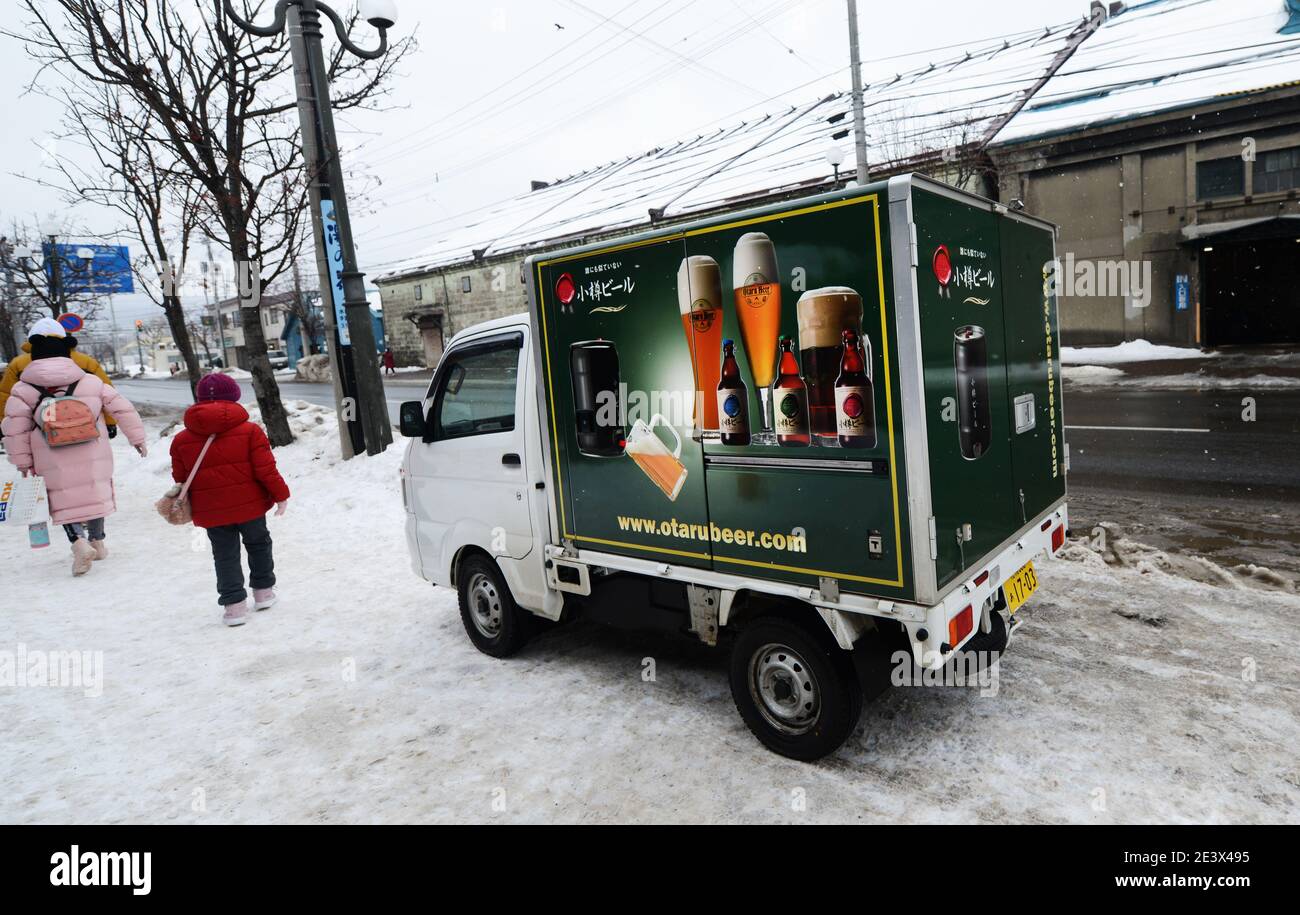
(1138, 428)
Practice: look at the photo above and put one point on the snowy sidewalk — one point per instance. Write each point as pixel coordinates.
(1127, 696)
(1138, 364)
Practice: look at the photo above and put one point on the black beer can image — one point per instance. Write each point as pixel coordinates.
(593, 367)
(970, 353)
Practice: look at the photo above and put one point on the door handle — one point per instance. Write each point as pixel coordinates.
(511, 460)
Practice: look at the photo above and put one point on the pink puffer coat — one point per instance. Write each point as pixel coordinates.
(78, 478)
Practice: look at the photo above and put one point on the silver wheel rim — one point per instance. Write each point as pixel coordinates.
(485, 606)
(784, 689)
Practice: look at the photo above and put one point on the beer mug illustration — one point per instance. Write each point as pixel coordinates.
(663, 467)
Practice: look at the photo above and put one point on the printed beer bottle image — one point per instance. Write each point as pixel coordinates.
(733, 399)
(855, 402)
(971, 360)
(758, 310)
(824, 314)
(699, 298)
(791, 397)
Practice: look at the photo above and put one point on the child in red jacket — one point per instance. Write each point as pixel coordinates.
(236, 485)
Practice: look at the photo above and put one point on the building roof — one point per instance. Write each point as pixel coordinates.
(1163, 55)
(930, 106)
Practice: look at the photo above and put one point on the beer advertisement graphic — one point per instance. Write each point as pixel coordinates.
(795, 389)
(970, 362)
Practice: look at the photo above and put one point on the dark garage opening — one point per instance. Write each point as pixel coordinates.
(1249, 288)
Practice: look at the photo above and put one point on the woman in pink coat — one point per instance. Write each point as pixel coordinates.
(78, 478)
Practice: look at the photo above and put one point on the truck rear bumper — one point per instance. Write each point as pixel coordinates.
(964, 613)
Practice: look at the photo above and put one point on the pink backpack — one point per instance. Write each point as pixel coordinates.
(63, 419)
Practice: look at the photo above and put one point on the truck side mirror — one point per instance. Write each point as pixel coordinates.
(411, 418)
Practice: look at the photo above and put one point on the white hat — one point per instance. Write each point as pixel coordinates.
(47, 327)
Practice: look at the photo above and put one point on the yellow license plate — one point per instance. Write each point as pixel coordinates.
(1020, 586)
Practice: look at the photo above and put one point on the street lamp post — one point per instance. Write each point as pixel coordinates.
(50, 228)
(355, 359)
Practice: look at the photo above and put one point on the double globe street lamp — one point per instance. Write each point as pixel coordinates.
(357, 382)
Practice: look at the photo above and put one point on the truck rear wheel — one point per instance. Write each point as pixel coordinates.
(493, 621)
(795, 688)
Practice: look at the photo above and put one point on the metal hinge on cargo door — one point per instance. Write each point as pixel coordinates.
(934, 539)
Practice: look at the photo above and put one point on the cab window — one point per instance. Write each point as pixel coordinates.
(476, 392)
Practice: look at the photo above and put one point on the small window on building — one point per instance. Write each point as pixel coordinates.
(523, 275)
(464, 283)
(419, 291)
(1220, 178)
(1277, 170)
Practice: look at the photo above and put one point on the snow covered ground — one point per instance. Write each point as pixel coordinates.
(1144, 687)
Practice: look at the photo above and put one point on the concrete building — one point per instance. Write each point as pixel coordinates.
(1179, 165)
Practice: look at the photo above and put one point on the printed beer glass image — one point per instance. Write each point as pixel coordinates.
(699, 296)
(971, 359)
(663, 467)
(824, 314)
(758, 309)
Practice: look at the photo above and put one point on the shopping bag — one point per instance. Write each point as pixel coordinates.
(22, 501)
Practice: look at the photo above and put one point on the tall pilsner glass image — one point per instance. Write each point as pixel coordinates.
(699, 296)
(758, 309)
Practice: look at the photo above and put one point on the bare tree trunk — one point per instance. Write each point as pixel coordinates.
(181, 336)
(274, 417)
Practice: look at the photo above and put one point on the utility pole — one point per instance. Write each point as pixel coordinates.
(112, 316)
(859, 121)
(358, 387)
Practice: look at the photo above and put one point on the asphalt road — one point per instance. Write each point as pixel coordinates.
(169, 393)
(1175, 469)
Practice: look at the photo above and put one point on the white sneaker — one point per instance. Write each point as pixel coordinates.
(264, 598)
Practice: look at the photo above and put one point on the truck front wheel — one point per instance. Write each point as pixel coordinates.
(795, 688)
(493, 621)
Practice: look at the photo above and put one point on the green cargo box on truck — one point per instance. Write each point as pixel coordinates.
(832, 425)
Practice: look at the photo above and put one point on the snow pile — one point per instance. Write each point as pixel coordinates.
(1129, 351)
(1136, 691)
(237, 374)
(1090, 374)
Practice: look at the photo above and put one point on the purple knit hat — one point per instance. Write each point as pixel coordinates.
(218, 386)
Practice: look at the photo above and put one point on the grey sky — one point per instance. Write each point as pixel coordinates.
(498, 95)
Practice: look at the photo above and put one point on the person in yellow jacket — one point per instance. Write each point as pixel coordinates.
(48, 327)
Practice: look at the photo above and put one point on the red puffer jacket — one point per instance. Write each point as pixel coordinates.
(237, 481)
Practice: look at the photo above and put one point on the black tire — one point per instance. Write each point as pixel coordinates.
(780, 654)
(493, 621)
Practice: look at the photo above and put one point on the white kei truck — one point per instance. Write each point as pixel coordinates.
(826, 434)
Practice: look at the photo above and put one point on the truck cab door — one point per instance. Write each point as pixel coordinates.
(468, 479)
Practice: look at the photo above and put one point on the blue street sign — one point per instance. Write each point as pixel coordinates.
(1182, 292)
(106, 272)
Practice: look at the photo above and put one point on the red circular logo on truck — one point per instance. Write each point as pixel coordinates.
(942, 263)
(565, 289)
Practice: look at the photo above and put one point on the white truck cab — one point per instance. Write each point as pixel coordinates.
(474, 481)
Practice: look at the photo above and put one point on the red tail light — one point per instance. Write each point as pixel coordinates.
(960, 626)
(981, 578)
(1058, 537)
